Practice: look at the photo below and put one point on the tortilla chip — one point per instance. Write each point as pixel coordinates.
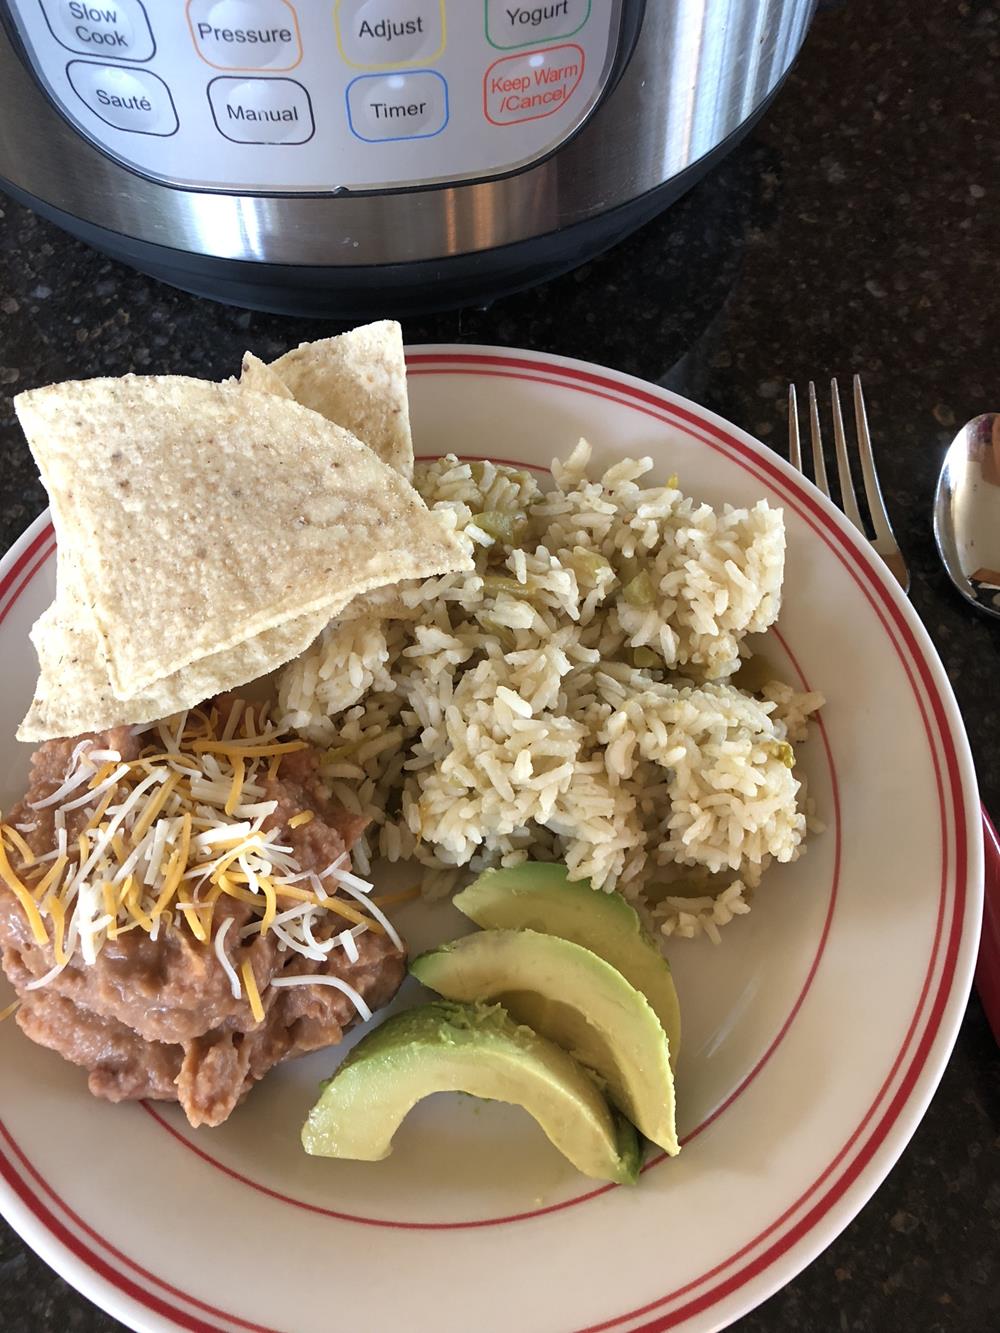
(201, 516)
(258, 377)
(357, 381)
(74, 693)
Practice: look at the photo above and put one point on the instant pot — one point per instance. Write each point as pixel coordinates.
(350, 156)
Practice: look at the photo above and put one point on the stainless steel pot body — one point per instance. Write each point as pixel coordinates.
(484, 170)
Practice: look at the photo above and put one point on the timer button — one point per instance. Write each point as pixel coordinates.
(384, 34)
(117, 28)
(129, 99)
(275, 111)
(240, 34)
(382, 107)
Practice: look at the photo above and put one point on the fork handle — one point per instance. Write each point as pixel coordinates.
(988, 964)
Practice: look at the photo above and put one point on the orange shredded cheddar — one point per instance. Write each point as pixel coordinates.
(23, 896)
(253, 994)
(303, 817)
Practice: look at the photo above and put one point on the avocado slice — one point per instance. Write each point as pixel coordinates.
(539, 895)
(474, 1048)
(574, 998)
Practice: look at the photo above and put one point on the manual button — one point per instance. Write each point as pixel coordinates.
(117, 28)
(384, 34)
(130, 99)
(276, 111)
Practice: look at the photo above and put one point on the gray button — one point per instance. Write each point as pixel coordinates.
(116, 28)
(276, 111)
(510, 25)
(398, 106)
(130, 99)
(378, 34)
(245, 34)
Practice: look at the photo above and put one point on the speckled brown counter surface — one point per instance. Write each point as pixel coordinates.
(858, 228)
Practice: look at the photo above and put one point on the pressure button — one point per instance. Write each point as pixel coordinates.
(245, 34)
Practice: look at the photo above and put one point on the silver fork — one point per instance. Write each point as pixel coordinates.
(884, 540)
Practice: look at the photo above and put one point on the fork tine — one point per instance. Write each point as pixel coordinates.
(848, 499)
(885, 539)
(819, 465)
(794, 443)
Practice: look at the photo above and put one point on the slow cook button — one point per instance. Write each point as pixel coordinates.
(130, 99)
(115, 28)
(381, 34)
(276, 111)
(245, 34)
(510, 25)
(531, 85)
(397, 106)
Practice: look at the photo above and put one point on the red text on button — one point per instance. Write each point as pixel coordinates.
(531, 84)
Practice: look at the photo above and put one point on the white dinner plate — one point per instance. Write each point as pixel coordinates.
(814, 1035)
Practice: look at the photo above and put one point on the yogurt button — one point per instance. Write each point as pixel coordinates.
(397, 106)
(378, 34)
(276, 111)
(509, 25)
(245, 34)
(130, 99)
(116, 28)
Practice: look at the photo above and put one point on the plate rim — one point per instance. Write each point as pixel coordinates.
(118, 1294)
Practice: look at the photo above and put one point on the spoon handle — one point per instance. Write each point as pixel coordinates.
(988, 964)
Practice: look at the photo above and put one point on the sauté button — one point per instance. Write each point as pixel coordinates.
(397, 106)
(510, 25)
(277, 111)
(245, 34)
(117, 28)
(383, 34)
(130, 99)
(531, 85)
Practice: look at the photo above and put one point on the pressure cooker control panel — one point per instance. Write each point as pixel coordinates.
(319, 95)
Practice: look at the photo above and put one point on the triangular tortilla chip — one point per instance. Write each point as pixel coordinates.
(258, 377)
(358, 381)
(201, 515)
(74, 693)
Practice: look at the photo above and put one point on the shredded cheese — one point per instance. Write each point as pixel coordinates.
(152, 843)
(253, 994)
(10, 1009)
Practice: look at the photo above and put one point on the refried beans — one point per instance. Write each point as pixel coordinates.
(156, 1017)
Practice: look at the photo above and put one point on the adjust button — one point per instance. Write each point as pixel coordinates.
(383, 34)
(510, 25)
(245, 34)
(117, 28)
(276, 111)
(397, 106)
(130, 99)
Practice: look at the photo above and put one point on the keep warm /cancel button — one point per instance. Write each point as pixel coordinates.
(532, 84)
(274, 111)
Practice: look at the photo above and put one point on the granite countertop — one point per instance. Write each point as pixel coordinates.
(855, 229)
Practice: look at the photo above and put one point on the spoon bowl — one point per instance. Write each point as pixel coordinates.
(967, 512)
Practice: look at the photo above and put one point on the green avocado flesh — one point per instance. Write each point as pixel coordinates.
(541, 896)
(568, 994)
(473, 1048)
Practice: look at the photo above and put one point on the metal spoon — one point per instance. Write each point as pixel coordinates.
(967, 512)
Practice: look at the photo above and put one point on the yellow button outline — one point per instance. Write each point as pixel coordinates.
(261, 69)
(395, 64)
